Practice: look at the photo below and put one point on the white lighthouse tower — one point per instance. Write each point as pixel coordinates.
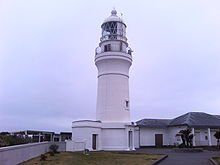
(113, 60)
(112, 129)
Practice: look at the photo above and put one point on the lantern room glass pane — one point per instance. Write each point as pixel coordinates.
(113, 31)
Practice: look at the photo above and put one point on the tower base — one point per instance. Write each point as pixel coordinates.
(96, 135)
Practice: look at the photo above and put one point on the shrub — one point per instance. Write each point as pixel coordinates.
(7, 140)
(186, 137)
(43, 157)
(217, 136)
(51, 153)
(54, 148)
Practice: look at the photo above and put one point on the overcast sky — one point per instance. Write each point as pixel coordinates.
(47, 73)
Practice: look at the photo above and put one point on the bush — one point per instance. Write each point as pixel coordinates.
(43, 157)
(7, 140)
(182, 145)
(51, 153)
(54, 148)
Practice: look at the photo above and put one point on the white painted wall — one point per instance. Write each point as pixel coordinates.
(147, 136)
(75, 146)
(201, 134)
(111, 135)
(201, 137)
(13, 155)
(82, 133)
(136, 137)
(172, 138)
(113, 87)
(213, 139)
(114, 139)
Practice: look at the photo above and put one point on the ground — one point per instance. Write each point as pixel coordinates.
(217, 159)
(180, 158)
(96, 158)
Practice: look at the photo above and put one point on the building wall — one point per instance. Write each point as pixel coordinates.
(172, 131)
(114, 139)
(82, 132)
(13, 155)
(147, 136)
(136, 137)
(213, 139)
(84, 135)
(201, 137)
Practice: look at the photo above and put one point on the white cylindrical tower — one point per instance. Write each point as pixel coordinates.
(113, 59)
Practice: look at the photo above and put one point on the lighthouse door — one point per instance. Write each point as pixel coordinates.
(94, 141)
(158, 140)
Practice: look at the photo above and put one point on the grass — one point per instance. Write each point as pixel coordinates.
(217, 159)
(95, 158)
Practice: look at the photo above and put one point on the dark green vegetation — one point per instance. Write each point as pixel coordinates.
(54, 148)
(186, 137)
(217, 136)
(8, 140)
(95, 158)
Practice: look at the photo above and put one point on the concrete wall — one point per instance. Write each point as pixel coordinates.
(136, 138)
(72, 146)
(114, 139)
(13, 155)
(147, 136)
(82, 132)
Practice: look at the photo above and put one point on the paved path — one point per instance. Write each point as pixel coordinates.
(179, 158)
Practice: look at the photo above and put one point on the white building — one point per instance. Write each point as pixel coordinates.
(163, 132)
(112, 129)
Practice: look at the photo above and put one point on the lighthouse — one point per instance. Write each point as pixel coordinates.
(112, 129)
(113, 59)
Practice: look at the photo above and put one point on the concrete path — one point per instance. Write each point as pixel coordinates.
(179, 158)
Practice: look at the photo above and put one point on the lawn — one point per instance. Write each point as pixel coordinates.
(217, 159)
(95, 158)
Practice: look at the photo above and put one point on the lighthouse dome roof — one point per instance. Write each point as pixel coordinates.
(113, 17)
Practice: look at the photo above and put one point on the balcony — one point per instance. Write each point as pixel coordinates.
(108, 48)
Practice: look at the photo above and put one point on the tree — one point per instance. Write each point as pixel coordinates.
(7, 140)
(186, 137)
(217, 136)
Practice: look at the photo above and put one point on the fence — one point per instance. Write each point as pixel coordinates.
(13, 155)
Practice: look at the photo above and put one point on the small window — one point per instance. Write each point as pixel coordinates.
(127, 104)
(107, 47)
(206, 137)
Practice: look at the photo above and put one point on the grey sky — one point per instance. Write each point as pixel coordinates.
(47, 73)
